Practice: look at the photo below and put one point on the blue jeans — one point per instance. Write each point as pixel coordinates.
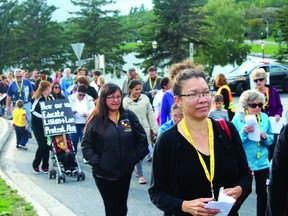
(27, 107)
(139, 168)
(22, 135)
(76, 137)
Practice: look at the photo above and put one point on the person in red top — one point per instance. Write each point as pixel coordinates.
(65, 154)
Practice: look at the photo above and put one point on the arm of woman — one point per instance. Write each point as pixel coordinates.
(87, 143)
(277, 190)
(267, 136)
(225, 94)
(279, 106)
(141, 142)
(151, 118)
(164, 110)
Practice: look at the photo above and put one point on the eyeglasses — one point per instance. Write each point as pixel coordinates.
(56, 87)
(254, 105)
(114, 97)
(259, 80)
(196, 95)
(81, 95)
(18, 77)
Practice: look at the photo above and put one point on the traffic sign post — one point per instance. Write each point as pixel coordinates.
(78, 50)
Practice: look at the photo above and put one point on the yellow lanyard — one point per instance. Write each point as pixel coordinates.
(209, 176)
(150, 82)
(118, 117)
(19, 87)
(258, 143)
(267, 98)
(70, 83)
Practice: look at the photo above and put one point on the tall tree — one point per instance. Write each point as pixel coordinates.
(37, 39)
(225, 28)
(176, 24)
(6, 21)
(100, 30)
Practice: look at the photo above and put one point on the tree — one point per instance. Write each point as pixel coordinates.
(37, 41)
(225, 28)
(6, 8)
(175, 25)
(100, 31)
(281, 35)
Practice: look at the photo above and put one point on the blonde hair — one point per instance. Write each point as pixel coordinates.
(101, 80)
(259, 72)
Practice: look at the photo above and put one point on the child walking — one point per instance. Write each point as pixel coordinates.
(20, 125)
(218, 111)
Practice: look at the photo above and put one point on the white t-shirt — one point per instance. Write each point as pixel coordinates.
(157, 102)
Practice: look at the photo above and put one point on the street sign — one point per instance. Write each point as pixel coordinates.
(191, 51)
(78, 49)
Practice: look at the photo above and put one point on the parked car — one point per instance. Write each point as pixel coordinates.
(239, 78)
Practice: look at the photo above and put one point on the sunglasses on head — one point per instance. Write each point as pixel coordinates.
(259, 80)
(254, 105)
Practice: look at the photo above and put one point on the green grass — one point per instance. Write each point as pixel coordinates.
(268, 48)
(13, 204)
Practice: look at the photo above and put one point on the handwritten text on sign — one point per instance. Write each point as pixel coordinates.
(57, 117)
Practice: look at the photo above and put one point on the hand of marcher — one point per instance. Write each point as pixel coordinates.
(248, 129)
(197, 207)
(234, 192)
(263, 135)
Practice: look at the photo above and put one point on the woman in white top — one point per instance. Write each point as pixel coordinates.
(82, 105)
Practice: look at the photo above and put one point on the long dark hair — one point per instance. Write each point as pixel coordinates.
(101, 109)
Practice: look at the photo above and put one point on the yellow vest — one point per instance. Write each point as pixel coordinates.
(231, 104)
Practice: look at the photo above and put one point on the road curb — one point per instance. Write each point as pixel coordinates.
(32, 193)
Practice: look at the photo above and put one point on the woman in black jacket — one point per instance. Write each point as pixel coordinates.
(113, 142)
(42, 154)
(195, 158)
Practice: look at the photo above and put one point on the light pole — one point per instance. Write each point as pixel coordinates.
(262, 47)
(154, 46)
(267, 27)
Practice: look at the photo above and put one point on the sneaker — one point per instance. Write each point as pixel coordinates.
(36, 170)
(85, 161)
(68, 172)
(45, 170)
(17, 146)
(22, 147)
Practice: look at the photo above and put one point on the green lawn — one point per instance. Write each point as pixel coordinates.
(12, 204)
(268, 48)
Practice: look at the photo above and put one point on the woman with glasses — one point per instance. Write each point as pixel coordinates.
(114, 141)
(225, 91)
(195, 158)
(141, 106)
(56, 91)
(256, 147)
(272, 105)
(82, 105)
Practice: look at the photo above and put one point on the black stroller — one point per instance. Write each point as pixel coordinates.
(64, 160)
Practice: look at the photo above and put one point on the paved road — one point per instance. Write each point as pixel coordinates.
(80, 198)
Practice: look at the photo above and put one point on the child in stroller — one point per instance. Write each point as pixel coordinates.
(65, 154)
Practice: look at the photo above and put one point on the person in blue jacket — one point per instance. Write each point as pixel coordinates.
(113, 142)
(256, 151)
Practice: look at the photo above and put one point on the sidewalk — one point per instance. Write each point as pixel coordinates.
(25, 188)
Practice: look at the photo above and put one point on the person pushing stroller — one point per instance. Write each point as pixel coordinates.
(65, 154)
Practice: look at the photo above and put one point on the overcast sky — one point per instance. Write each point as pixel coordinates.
(123, 5)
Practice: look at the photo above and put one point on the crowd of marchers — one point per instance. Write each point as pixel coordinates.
(198, 144)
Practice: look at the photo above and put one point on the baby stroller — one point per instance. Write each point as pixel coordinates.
(64, 160)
